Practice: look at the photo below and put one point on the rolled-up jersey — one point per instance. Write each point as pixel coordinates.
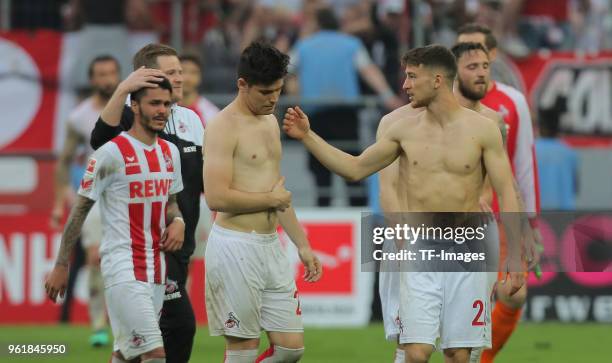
(512, 105)
(132, 182)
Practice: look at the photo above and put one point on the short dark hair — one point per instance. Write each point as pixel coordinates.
(471, 28)
(460, 49)
(164, 84)
(262, 64)
(432, 56)
(191, 57)
(147, 55)
(326, 19)
(100, 59)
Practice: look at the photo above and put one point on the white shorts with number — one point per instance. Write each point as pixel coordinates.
(250, 285)
(134, 308)
(454, 306)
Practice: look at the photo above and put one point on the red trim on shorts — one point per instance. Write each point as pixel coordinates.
(267, 354)
(167, 154)
(129, 155)
(139, 257)
(152, 161)
(156, 208)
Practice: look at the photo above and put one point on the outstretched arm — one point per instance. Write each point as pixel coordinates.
(58, 279)
(312, 266)
(350, 167)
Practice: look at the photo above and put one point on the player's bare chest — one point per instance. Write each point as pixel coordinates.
(456, 154)
(258, 146)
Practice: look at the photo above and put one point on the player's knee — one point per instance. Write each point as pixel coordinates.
(287, 340)
(417, 354)
(279, 354)
(240, 356)
(457, 355)
(154, 356)
(235, 343)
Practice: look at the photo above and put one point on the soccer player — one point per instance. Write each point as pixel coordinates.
(183, 129)
(192, 78)
(443, 154)
(104, 76)
(513, 107)
(250, 286)
(135, 177)
(470, 88)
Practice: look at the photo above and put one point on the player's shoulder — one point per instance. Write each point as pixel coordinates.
(476, 118)
(490, 113)
(402, 113)
(108, 152)
(170, 145)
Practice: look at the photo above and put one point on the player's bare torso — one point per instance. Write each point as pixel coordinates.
(440, 167)
(256, 168)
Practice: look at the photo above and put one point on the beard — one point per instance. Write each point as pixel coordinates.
(471, 94)
(106, 92)
(146, 122)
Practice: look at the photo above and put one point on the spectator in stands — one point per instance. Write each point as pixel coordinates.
(328, 64)
(192, 79)
(557, 165)
(525, 26)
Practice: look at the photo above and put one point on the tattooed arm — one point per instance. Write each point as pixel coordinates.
(174, 234)
(58, 279)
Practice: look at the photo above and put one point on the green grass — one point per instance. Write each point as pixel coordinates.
(533, 343)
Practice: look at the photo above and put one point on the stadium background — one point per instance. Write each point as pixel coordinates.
(44, 46)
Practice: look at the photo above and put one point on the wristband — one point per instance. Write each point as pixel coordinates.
(179, 218)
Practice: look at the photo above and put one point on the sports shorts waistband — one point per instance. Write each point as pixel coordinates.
(252, 237)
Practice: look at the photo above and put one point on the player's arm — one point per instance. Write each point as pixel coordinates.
(58, 279)
(486, 197)
(387, 177)
(312, 266)
(62, 173)
(103, 132)
(498, 168)
(219, 144)
(353, 168)
(174, 234)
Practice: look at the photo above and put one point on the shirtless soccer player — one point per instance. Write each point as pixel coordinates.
(470, 87)
(250, 285)
(442, 152)
(135, 178)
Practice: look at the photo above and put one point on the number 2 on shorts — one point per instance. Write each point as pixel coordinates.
(480, 305)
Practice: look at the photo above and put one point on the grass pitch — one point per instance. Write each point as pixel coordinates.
(533, 343)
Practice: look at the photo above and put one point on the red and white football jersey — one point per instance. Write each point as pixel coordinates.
(132, 182)
(512, 105)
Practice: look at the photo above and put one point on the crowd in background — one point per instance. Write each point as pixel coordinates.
(215, 32)
(218, 30)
